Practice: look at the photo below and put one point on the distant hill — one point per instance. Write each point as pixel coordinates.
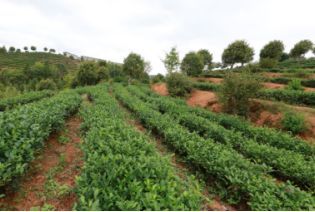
(19, 60)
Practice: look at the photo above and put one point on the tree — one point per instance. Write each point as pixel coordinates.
(272, 50)
(11, 49)
(25, 48)
(87, 74)
(18, 50)
(237, 52)
(171, 61)
(237, 90)
(206, 58)
(284, 56)
(147, 67)
(52, 50)
(45, 49)
(103, 73)
(33, 48)
(301, 48)
(192, 64)
(178, 84)
(3, 50)
(133, 66)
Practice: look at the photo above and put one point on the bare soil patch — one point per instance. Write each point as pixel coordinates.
(160, 88)
(271, 85)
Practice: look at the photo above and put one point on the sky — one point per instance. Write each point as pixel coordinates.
(111, 29)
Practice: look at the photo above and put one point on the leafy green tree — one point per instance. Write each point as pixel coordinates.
(33, 48)
(171, 61)
(52, 50)
(11, 49)
(237, 52)
(133, 66)
(237, 90)
(192, 64)
(284, 56)
(102, 63)
(103, 73)
(45, 49)
(206, 58)
(178, 84)
(87, 74)
(25, 48)
(301, 48)
(158, 78)
(18, 50)
(3, 50)
(272, 50)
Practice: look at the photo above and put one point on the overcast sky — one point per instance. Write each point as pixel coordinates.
(110, 29)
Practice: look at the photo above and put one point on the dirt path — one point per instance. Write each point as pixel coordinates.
(49, 183)
(182, 169)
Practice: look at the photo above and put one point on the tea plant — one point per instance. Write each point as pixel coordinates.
(248, 179)
(122, 169)
(24, 130)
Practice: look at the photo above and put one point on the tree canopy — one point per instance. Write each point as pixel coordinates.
(237, 52)
(134, 66)
(273, 50)
(206, 58)
(171, 61)
(192, 64)
(301, 48)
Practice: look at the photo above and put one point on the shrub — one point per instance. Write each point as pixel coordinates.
(103, 73)
(293, 122)
(158, 78)
(178, 84)
(46, 84)
(236, 91)
(295, 85)
(87, 74)
(268, 63)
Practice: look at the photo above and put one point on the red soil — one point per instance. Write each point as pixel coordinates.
(160, 89)
(265, 118)
(272, 75)
(309, 89)
(201, 98)
(273, 85)
(32, 187)
(209, 79)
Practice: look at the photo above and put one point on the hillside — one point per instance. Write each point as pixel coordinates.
(19, 60)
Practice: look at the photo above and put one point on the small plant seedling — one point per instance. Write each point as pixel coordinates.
(63, 139)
